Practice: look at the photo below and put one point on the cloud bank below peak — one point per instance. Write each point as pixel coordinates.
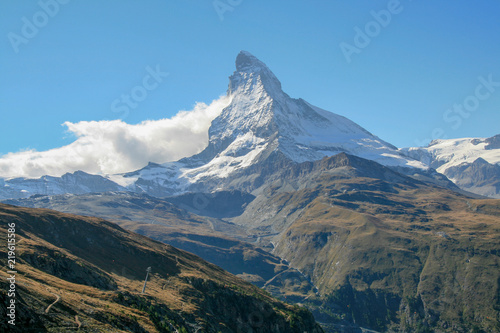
(109, 147)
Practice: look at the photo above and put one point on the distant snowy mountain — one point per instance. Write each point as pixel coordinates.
(471, 163)
(78, 182)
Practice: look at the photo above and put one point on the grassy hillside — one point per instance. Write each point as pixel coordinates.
(85, 273)
(392, 255)
(224, 244)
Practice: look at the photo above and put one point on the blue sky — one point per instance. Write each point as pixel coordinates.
(418, 63)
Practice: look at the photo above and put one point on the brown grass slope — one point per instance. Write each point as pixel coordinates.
(86, 274)
(386, 251)
(219, 242)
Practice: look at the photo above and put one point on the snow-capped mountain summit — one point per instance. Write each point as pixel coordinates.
(260, 110)
(260, 129)
(259, 123)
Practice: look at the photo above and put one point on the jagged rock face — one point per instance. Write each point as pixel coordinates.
(478, 177)
(493, 142)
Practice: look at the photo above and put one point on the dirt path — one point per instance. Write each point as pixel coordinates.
(78, 322)
(57, 300)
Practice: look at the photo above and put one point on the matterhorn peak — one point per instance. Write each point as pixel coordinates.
(262, 117)
(247, 62)
(251, 74)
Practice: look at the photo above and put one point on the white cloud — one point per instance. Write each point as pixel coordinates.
(108, 147)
